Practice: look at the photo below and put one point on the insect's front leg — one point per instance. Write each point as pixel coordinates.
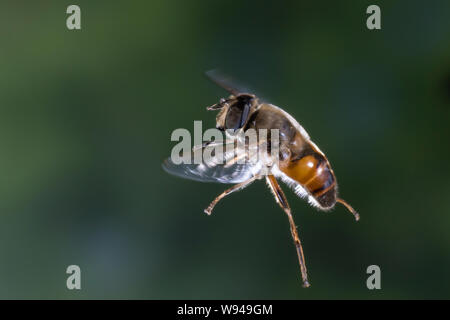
(234, 188)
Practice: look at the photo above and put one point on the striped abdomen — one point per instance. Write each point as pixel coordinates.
(314, 174)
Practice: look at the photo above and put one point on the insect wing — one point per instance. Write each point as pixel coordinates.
(226, 82)
(220, 167)
(230, 84)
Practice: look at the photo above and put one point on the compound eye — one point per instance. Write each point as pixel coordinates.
(237, 115)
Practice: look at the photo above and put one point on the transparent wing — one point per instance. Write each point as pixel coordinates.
(226, 82)
(222, 167)
(231, 84)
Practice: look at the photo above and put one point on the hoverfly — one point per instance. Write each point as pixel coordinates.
(301, 164)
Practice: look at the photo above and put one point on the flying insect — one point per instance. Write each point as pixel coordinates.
(300, 163)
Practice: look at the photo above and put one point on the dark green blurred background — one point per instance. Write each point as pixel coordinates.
(86, 118)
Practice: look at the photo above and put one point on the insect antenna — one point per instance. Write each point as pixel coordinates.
(349, 208)
(219, 105)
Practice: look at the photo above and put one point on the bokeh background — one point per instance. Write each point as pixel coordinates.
(86, 118)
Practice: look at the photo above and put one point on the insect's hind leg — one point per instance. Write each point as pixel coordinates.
(234, 188)
(282, 201)
(349, 208)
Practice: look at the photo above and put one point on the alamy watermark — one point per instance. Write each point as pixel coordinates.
(374, 280)
(73, 22)
(74, 280)
(227, 147)
(373, 21)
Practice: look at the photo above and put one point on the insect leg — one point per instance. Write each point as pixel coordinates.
(234, 188)
(282, 201)
(349, 208)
